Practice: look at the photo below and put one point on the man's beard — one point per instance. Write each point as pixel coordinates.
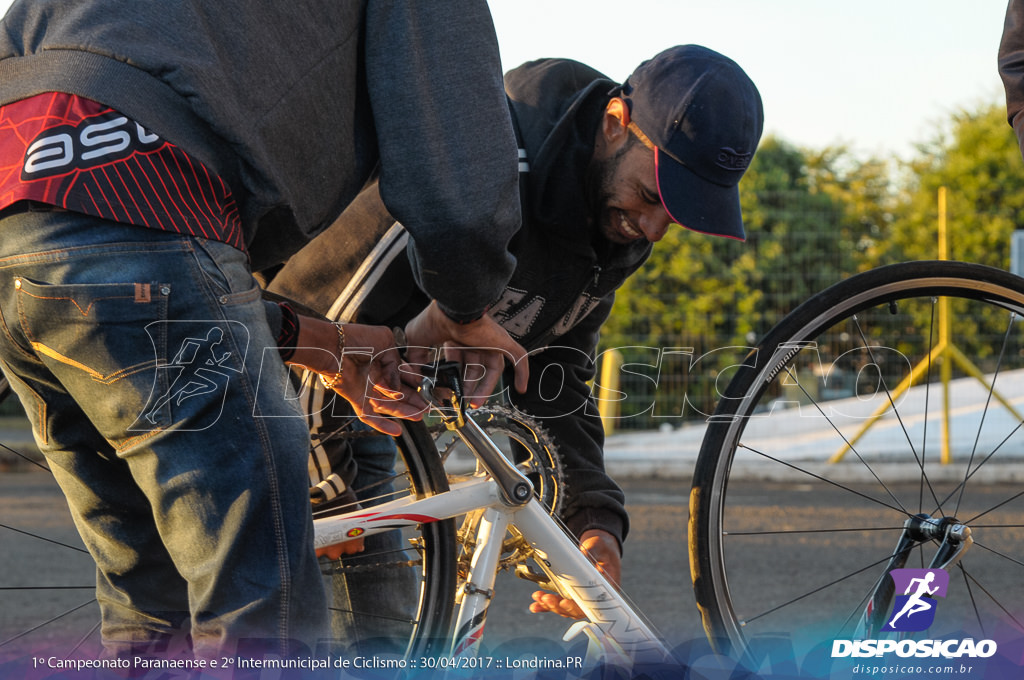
(599, 194)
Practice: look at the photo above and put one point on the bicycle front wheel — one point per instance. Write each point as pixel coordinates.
(892, 395)
(397, 596)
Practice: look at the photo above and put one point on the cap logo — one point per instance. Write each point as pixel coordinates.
(731, 159)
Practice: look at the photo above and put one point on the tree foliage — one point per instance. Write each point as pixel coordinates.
(979, 164)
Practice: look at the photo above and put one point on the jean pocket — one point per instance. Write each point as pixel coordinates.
(98, 329)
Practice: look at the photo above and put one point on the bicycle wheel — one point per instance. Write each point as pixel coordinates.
(893, 394)
(397, 596)
(46, 590)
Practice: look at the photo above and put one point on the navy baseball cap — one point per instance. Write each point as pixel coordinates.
(705, 118)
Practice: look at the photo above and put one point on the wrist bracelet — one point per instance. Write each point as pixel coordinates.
(334, 380)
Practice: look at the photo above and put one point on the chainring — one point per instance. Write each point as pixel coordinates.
(534, 454)
(529, 445)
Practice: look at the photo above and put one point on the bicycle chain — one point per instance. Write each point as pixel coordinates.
(344, 433)
(355, 568)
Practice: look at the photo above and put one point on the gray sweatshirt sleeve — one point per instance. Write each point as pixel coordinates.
(448, 154)
(1011, 66)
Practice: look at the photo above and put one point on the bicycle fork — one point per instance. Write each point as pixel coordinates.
(955, 540)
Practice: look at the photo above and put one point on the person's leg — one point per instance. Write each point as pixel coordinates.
(108, 317)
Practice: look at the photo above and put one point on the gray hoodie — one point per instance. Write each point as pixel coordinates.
(296, 104)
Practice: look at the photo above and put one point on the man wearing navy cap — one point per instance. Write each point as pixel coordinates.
(605, 169)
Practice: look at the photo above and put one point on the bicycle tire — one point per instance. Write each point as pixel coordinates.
(758, 569)
(439, 572)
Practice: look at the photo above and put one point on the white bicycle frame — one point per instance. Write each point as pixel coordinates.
(617, 634)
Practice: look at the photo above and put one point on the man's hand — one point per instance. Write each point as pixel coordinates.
(602, 547)
(370, 380)
(481, 346)
(335, 552)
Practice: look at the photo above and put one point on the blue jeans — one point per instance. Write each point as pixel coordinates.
(147, 368)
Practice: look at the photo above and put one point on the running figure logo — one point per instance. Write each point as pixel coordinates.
(914, 610)
(201, 367)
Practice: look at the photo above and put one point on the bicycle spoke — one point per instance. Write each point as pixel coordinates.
(994, 600)
(89, 587)
(43, 538)
(85, 637)
(983, 462)
(984, 412)
(374, 615)
(927, 400)
(896, 412)
(46, 623)
(816, 590)
(858, 609)
(808, 531)
(846, 441)
(970, 593)
(25, 458)
(900, 510)
(1000, 554)
(997, 526)
(996, 506)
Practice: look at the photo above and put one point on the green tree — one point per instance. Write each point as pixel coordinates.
(979, 163)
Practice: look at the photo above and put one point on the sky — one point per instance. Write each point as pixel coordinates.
(878, 76)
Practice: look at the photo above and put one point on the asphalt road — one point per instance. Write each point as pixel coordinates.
(656, 573)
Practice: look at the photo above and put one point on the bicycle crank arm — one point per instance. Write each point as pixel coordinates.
(516, 489)
(444, 393)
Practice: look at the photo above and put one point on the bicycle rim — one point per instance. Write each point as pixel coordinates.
(781, 539)
(416, 573)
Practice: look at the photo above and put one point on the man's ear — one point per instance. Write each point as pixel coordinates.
(615, 120)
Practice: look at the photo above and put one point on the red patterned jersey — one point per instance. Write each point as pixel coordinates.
(83, 156)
